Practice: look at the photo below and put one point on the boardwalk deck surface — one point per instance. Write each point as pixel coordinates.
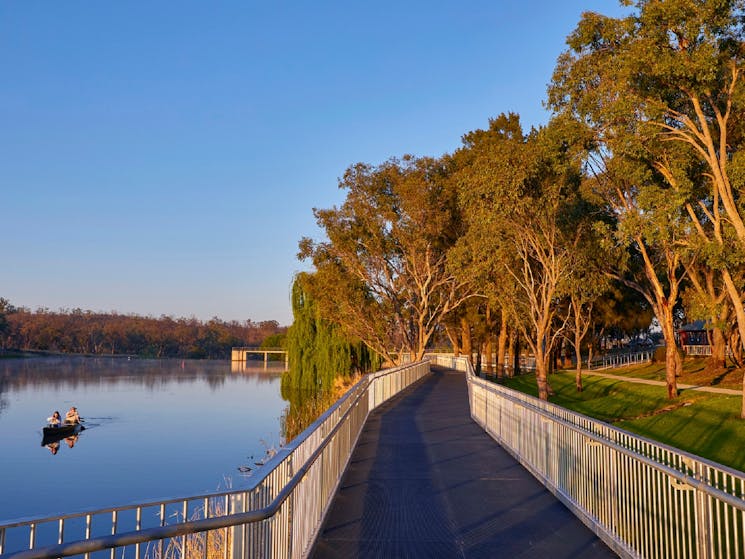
(426, 481)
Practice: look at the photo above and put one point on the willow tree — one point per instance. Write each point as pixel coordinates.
(318, 350)
(383, 266)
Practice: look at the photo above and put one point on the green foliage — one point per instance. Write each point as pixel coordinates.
(274, 341)
(529, 243)
(382, 268)
(318, 350)
(305, 406)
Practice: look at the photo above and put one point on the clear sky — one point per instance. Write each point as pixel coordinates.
(165, 157)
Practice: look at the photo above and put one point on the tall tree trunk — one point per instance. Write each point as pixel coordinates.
(735, 297)
(421, 340)
(466, 337)
(488, 345)
(454, 340)
(736, 348)
(488, 340)
(501, 346)
(673, 365)
(544, 357)
(566, 355)
(541, 378)
(578, 359)
(590, 347)
(718, 358)
(542, 365)
(577, 343)
(516, 354)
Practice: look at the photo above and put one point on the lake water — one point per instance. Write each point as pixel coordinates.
(155, 429)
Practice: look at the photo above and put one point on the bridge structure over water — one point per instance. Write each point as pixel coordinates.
(428, 460)
(242, 354)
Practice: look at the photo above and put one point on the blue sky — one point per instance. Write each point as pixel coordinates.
(164, 157)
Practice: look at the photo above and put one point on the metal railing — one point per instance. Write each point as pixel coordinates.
(643, 498)
(278, 515)
(697, 350)
(608, 361)
(621, 360)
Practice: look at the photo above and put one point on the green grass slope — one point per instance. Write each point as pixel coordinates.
(701, 423)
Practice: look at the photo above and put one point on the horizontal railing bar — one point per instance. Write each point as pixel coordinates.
(252, 484)
(203, 525)
(683, 478)
(150, 534)
(183, 528)
(503, 391)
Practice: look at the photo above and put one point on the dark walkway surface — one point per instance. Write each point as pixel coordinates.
(426, 481)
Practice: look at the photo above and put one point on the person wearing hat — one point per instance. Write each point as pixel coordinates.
(72, 416)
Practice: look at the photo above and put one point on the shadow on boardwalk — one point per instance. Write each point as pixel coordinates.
(427, 481)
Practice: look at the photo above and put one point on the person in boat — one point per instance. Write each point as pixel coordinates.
(72, 417)
(55, 420)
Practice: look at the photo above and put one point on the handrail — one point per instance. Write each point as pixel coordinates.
(643, 498)
(733, 501)
(620, 360)
(329, 450)
(150, 534)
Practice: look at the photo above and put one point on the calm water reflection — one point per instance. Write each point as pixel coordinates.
(155, 429)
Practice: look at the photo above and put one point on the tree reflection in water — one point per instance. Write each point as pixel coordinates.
(76, 372)
(305, 406)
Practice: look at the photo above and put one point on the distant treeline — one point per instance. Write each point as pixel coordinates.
(87, 332)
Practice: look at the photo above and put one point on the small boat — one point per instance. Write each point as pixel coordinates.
(52, 434)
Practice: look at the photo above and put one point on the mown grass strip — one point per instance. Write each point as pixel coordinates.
(704, 424)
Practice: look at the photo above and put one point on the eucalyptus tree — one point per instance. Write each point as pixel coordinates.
(671, 74)
(645, 245)
(382, 269)
(706, 297)
(520, 197)
(620, 311)
(589, 283)
(490, 167)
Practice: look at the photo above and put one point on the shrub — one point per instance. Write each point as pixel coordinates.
(659, 354)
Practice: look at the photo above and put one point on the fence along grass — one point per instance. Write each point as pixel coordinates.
(643, 498)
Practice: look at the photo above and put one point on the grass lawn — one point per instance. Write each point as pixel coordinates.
(704, 424)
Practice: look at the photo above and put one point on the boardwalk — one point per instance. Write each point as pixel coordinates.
(426, 481)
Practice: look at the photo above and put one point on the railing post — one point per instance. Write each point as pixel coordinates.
(237, 533)
(703, 519)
